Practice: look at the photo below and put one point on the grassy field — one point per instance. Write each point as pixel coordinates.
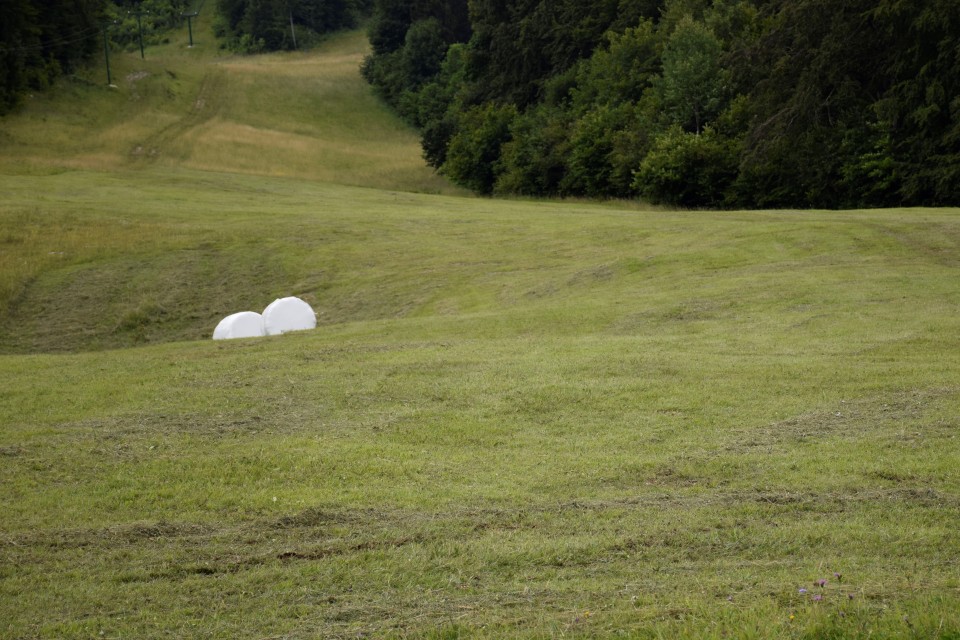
(515, 419)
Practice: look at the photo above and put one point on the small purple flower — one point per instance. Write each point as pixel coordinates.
(817, 597)
(849, 596)
(821, 583)
(802, 591)
(838, 576)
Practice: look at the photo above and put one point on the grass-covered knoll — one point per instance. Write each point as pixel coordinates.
(516, 419)
(521, 419)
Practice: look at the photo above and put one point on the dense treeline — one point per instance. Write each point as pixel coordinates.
(42, 39)
(251, 26)
(699, 103)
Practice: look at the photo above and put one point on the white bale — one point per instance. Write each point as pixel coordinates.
(246, 324)
(288, 314)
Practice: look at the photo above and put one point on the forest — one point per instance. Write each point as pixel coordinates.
(41, 40)
(692, 103)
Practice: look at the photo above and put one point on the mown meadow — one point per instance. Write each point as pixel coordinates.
(515, 418)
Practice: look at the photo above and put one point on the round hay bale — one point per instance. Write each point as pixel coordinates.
(246, 324)
(288, 314)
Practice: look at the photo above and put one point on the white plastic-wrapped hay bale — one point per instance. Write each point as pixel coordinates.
(246, 324)
(288, 314)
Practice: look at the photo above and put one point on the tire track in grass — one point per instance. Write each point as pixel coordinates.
(206, 106)
(382, 528)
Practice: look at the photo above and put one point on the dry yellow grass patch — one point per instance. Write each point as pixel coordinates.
(219, 145)
(298, 64)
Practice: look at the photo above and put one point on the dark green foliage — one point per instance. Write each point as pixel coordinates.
(410, 42)
(475, 148)
(592, 164)
(19, 33)
(517, 45)
(423, 51)
(689, 169)
(621, 71)
(820, 56)
(418, 65)
(42, 39)
(749, 103)
(435, 138)
(534, 161)
(433, 107)
(693, 84)
(918, 117)
(393, 18)
(256, 25)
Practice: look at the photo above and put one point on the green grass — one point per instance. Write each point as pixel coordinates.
(515, 419)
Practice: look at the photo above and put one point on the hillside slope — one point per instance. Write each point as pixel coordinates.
(173, 129)
(305, 115)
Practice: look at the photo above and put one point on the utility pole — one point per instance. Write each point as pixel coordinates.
(292, 32)
(139, 12)
(106, 52)
(189, 17)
